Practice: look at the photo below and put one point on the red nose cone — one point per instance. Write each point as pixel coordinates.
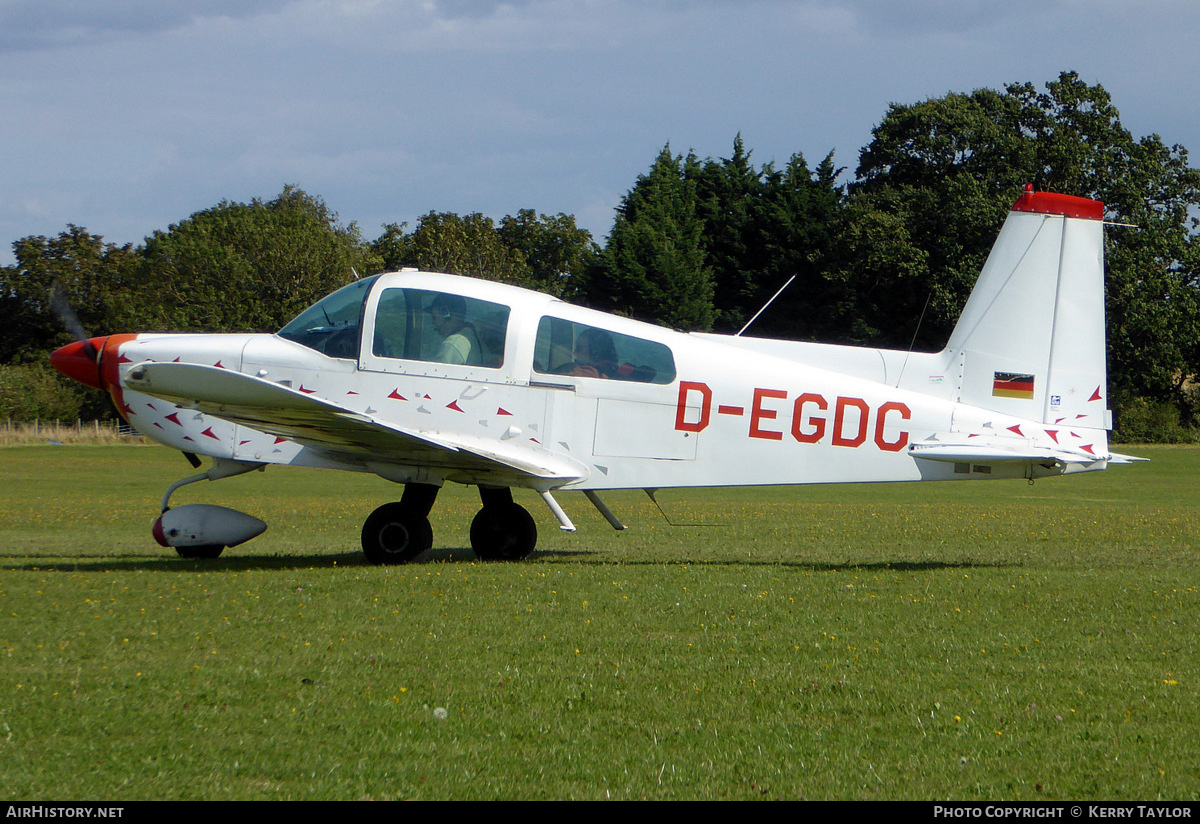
(157, 532)
(78, 362)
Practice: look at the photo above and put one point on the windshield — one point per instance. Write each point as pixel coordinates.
(331, 325)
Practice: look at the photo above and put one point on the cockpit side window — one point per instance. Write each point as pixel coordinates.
(442, 327)
(331, 325)
(564, 347)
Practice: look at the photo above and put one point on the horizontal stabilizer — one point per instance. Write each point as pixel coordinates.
(1116, 458)
(998, 453)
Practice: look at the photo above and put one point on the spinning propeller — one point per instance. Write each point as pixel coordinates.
(91, 361)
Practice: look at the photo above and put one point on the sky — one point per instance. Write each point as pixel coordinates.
(126, 116)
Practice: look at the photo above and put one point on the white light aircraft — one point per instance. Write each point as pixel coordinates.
(425, 378)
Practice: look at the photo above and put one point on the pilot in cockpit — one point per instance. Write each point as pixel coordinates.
(459, 343)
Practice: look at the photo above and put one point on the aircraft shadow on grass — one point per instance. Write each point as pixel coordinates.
(450, 556)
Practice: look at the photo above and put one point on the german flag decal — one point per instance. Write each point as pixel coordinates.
(1012, 385)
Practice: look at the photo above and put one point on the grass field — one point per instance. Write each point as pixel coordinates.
(954, 641)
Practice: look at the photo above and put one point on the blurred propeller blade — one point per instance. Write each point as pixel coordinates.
(62, 307)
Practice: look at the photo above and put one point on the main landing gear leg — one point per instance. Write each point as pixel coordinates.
(502, 530)
(398, 532)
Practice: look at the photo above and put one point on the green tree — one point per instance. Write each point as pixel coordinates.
(102, 283)
(950, 168)
(757, 228)
(547, 253)
(558, 253)
(471, 245)
(730, 200)
(946, 171)
(653, 267)
(792, 235)
(34, 391)
(252, 266)
(99, 280)
(393, 248)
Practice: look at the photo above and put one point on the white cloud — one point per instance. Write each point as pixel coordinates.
(34, 24)
(127, 116)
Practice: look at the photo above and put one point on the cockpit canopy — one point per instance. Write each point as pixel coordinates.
(449, 327)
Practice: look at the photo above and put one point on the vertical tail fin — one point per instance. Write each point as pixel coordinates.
(1030, 341)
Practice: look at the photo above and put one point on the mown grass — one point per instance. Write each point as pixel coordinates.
(955, 641)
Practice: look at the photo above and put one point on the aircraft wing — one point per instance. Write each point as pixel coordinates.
(336, 430)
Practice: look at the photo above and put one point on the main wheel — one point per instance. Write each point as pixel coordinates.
(504, 532)
(200, 552)
(395, 534)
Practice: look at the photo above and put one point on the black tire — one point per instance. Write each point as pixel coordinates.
(503, 533)
(395, 534)
(200, 552)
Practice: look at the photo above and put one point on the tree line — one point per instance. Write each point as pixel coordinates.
(886, 257)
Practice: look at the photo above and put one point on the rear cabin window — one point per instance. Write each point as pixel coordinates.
(564, 347)
(440, 327)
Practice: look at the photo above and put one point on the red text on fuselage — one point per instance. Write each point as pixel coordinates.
(852, 423)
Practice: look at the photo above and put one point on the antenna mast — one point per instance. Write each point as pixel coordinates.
(765, 305)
